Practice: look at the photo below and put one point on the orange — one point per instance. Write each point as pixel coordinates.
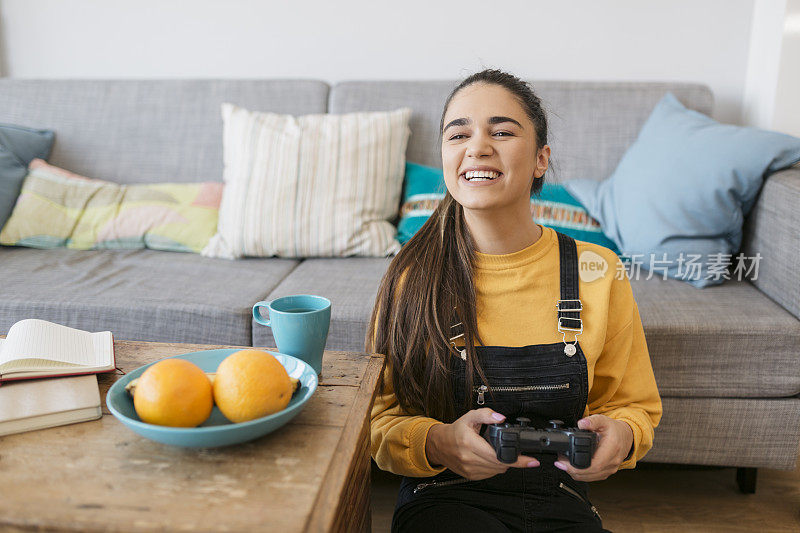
(250, 384)
(173, 392)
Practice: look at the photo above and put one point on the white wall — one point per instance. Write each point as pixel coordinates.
(772, 85)
(766, 38)
(703, 41)
(786, 115)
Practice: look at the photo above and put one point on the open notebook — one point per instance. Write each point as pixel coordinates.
(37, 348)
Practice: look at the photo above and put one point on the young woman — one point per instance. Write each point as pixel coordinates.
(471, 316)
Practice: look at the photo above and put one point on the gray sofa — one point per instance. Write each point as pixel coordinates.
(726, 358)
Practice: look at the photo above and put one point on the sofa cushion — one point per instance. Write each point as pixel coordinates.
(728, 431)
(310, 186)
(351, 284)
(590, 124)
(18, 147)
(57, 208)
(692, 205)
(728, 341)
(725, 341)
(142, 131)
(553, 206)
(138, 294)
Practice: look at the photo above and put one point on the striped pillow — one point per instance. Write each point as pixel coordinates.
(310, 186)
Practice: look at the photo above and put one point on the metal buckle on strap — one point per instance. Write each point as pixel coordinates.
(459, 334)
(574, 309)
(461, 351)
(562, 328)
(569, 349)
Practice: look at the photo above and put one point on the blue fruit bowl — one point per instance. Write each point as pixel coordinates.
(217, 430)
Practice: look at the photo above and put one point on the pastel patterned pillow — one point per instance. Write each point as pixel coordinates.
(57, 208)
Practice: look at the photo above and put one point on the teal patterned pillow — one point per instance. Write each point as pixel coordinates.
(553, 207)
(558, 209)
(423, 188)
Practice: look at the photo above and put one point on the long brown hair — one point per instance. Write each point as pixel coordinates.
(429, 287)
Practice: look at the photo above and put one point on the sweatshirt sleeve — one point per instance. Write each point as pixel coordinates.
(624, 387)
(397, 437)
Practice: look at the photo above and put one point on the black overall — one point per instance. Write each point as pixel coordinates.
(541, 382)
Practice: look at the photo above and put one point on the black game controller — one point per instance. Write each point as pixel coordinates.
(510, 440)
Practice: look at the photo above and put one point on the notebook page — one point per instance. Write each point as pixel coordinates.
(18, 365)
(103, 348)
(39, 339)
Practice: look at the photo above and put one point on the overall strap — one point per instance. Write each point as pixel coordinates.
(569, 306)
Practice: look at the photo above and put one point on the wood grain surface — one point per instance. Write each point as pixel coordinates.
(310, 475)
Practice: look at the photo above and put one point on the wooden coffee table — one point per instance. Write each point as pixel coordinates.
(310, 475)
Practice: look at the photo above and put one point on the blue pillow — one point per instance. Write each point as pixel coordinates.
(18, 147)
(553, 207)
(681, 191)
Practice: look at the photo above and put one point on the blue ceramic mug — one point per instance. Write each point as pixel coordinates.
(299, 324)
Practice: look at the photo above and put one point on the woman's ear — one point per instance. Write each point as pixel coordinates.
(542, 161)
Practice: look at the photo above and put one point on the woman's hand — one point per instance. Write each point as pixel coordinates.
(459, 447)
(615, 438)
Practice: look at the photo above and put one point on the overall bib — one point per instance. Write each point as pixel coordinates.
(540, 382)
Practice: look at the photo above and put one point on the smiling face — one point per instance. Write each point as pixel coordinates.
(489, 152)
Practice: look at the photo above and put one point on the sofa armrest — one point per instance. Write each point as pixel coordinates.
(772, 229)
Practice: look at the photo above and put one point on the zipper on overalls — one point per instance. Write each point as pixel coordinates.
(422, 486)
(483, 389)
(581, 498)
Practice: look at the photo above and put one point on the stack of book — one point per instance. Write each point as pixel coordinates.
(47, 375)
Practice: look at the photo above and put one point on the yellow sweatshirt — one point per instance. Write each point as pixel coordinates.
(516, 298)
